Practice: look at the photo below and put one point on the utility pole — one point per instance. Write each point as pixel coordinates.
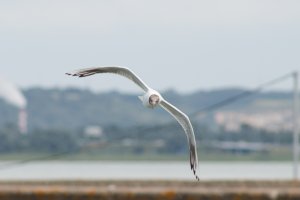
(296, 126)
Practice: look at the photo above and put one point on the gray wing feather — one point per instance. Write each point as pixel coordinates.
(114, 70)
(184, 121)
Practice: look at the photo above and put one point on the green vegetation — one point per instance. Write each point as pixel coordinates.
(141, 143)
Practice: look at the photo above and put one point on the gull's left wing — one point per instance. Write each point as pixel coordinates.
(184, 121)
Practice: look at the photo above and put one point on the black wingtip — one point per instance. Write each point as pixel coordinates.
(194, 171)
(71, 74)
(197, 177)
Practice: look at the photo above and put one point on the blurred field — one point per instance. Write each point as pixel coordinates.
(277, 154)
(168, 190)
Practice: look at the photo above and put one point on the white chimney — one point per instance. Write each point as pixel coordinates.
(13, 95)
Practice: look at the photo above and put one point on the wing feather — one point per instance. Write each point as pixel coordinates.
(122, 71)
(184, 121)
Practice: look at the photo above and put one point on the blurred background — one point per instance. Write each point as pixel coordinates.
(229, 65)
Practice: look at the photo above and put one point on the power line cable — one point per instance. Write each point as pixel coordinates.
(241, 95)
(17, 163)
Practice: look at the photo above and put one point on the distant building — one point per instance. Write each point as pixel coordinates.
(94, 131)
(240, 147)
(274, 121)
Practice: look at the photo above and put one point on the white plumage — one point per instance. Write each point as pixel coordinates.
(151, 99)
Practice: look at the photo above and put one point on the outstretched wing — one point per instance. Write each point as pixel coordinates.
(114, 70)
(188, 129)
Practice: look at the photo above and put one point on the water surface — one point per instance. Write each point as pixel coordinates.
(102, 170)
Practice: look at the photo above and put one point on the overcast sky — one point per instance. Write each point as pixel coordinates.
(185, 45)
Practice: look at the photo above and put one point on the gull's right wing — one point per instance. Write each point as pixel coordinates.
(114, 70)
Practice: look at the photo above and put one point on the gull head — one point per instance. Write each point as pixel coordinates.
(151, 99)
(154, 100)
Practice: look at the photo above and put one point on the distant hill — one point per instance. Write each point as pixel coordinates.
(76, 108)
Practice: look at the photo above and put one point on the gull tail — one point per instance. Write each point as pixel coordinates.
(141, 98)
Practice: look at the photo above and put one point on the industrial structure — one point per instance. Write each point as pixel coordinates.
(13, 95)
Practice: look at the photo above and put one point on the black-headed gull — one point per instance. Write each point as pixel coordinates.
(151, 99)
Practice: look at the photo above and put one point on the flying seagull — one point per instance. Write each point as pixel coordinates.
(151, 99)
